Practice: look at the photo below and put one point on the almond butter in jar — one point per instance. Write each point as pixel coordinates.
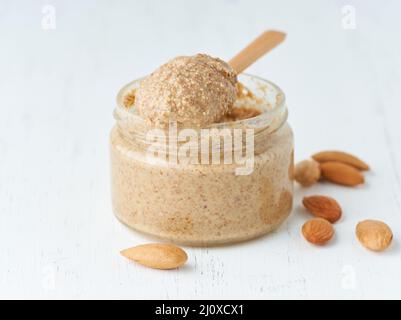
(178, 185)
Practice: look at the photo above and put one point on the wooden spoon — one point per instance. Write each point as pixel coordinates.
(257, 48)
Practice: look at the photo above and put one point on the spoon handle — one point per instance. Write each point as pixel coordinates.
(257, 48)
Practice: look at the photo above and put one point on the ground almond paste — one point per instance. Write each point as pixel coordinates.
(204, 204)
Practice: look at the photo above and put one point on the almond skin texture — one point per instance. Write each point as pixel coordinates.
(317, 231)
(341, 173)
(307, 172)
(323, 207)
(157, 255)
(340, 156)
(374, 235)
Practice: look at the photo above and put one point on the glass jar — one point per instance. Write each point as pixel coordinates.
(203, 201)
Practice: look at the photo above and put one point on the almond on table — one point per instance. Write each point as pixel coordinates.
(323, 207)
(157, 255)
(340, 156)
(318, 231)
(374, 235)
(341, 173)
(307, 172)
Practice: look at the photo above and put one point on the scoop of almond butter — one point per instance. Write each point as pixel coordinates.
(190, 90)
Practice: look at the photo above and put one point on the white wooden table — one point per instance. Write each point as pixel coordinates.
(58, 81)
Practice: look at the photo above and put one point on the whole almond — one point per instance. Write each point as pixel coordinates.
(341, 173)
(157, 255)
(340, 156)
(374, 235)
(307, 172)
(318, 231)
(323, 207)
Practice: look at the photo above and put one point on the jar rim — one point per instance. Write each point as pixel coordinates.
(274, 115)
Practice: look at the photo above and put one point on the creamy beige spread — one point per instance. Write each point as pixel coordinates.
(200, 204)
(203, 205)
(191, 90)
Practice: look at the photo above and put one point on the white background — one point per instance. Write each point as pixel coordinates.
(58, 237)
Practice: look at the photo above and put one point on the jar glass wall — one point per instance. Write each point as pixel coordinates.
(205, 202)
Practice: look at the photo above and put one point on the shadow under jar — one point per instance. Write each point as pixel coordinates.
(186, 190)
